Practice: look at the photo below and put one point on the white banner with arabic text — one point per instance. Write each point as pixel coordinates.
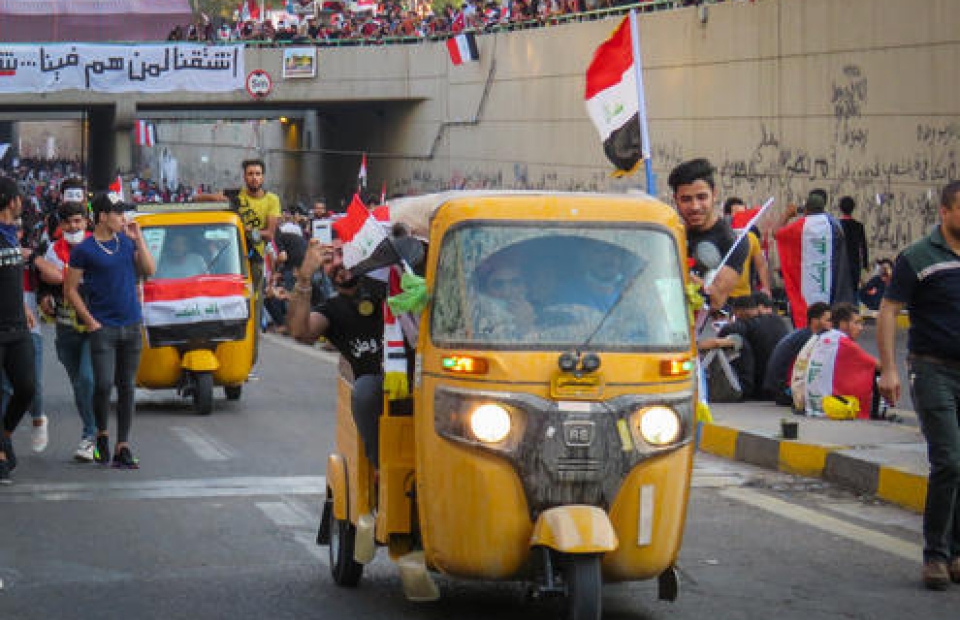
(120, 68)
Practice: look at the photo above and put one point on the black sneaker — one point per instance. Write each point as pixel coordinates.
(7, 447)
(5, 473)
(124, 459)
(101, 454)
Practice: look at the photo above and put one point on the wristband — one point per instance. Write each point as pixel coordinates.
(307, 288)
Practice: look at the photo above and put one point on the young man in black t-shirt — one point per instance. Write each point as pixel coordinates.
(709, 238)
(353, 324)
(16, 345)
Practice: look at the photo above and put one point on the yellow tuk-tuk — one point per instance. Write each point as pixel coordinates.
(549, 434)
(198, 314)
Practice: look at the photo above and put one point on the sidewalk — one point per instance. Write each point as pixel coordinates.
(883, 459)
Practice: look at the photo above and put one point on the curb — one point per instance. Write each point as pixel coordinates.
(834, 463)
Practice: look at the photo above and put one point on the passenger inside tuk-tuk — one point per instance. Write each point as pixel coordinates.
(526, 286)
(178, 259)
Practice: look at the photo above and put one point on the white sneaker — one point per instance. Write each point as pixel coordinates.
(39, 435)
(84, 452)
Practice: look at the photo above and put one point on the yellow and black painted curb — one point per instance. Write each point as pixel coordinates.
(835, 463)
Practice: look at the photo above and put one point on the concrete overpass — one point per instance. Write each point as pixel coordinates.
(782, 95)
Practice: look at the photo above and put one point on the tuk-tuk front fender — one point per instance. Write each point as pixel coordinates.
(200, 360)
(337, 483)
(575, 529)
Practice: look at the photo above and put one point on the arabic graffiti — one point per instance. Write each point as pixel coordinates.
(112, 68)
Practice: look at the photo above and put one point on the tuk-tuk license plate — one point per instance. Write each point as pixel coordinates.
(578, 433)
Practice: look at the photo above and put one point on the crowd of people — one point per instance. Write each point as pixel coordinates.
(337, 22)
(795, 344)
(750, 353)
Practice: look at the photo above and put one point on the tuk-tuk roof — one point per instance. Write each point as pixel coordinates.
(416, 212)
(150, 208)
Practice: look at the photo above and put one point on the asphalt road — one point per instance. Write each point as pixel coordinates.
(221, 519)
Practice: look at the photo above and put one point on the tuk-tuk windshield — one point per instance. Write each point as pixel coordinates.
(185, 251)
(503, 285)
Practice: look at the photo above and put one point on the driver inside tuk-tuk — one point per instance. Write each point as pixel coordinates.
(504, 309)
(178, 259)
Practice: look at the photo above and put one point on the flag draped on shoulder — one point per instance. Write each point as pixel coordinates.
(813, 263)
(835, 365)
(366, 246)
(463, 48)
(612, 99)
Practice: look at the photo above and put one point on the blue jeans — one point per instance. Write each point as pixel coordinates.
(115, 353)
(36, 407)
(936, 395)
(73, 351)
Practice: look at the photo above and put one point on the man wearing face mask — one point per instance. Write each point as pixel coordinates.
(73, 340)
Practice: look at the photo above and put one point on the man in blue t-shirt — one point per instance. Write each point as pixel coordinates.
(109, 263)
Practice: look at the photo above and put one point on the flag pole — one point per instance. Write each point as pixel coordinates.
(641, 103)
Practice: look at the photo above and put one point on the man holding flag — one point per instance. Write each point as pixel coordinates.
(709, 238)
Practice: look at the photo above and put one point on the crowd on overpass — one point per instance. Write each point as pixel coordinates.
(400, 19)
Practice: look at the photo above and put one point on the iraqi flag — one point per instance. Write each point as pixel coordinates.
(366, 245)
(613, 100)
(199, 299)
(838, 367)
(813, 262)
(144, 133)
(463, 48)
(116, 188)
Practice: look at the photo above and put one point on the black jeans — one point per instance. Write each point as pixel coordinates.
(367, 403)
(936, 395)
(16, 359)
(115, 353)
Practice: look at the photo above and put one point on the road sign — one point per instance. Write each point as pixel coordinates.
(259, 83)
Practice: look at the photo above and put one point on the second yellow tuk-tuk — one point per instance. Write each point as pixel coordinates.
(199, 327)
(548, 437)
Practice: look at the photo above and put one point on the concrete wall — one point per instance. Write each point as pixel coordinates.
(858, 97)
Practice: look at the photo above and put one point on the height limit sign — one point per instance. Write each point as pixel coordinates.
(259, 83)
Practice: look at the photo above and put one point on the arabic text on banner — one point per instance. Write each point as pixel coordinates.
(120, 68)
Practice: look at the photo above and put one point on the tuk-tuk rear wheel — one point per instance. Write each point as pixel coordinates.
(584, 584)
(203, 392)
(345, 570)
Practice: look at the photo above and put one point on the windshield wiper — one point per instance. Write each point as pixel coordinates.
(620, 295)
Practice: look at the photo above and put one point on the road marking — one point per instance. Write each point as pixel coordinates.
(293, 345)
(282, 514)
(205, 447)
(166, 489)
(819, 520)
(293, 514)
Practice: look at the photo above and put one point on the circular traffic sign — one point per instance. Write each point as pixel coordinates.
(259, 83)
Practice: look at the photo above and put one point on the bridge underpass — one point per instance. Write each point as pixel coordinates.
(315, 150)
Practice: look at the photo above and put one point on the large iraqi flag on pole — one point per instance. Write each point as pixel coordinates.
(197, 299)
(813, 263)
(614, 99)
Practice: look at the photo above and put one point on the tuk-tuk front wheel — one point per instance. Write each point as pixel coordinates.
(584, 586)
(345, 570)
(203, 392)
(233, 392)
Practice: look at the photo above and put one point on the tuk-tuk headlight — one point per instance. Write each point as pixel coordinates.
(658, 425)
(490, 423)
